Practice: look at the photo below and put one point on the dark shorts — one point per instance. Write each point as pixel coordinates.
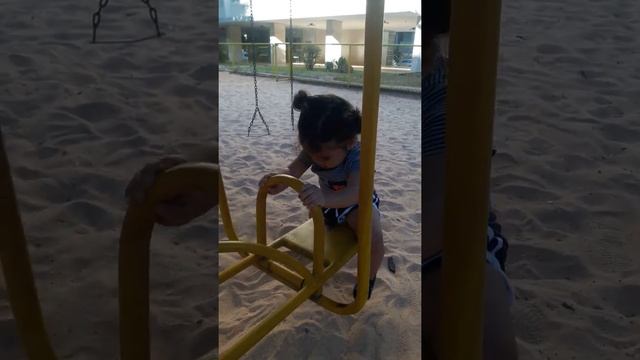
(333, 217)
(496, 255)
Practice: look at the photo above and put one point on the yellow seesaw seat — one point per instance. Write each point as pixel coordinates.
(329, 249)
(340, 243)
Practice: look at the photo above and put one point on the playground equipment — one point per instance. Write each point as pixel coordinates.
(255, 71)
(330, 249)
(95, 19)
(133, 268)
(255, 75)
(473, 58)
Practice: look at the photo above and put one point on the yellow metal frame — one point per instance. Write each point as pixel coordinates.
(16, 267)
(133, 271)
(473, 56)
(283, 267)
(133, 268)
(308, 284)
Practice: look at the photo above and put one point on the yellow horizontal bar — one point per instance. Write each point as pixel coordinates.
(281, 273)
(268, 252)
(278, 271)
(260, 330)
(237, 267)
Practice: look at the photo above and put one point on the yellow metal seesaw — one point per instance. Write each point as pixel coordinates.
(330, 249)
(133, 268)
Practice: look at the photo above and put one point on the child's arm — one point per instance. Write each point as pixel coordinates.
(347, 196)
(295, 169)
(299, 165)
(312, 195)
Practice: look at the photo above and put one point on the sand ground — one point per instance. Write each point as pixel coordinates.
(79, 120)
(389, 325)
(566, 177)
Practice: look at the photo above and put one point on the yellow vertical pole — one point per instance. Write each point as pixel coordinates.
(133, 282)
(16, 267)
(474, 45)
(225, 212)
(370, 103)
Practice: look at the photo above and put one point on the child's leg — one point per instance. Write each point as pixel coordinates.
(499, 335)
(377, 244)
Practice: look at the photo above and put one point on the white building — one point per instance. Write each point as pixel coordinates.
(337, 26)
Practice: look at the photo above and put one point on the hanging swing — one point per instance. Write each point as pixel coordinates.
(255, 76)
(153, 14)
(291, 60)
(255, 80)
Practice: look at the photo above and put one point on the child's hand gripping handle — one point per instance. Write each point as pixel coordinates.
(316, 215)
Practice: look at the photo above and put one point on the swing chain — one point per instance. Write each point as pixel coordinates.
(253, 56)
(255, 75)
(153, 14)
(96, 17)
(291, 59)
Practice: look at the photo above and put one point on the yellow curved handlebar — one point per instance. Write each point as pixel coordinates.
(133, 272)
(316, 215)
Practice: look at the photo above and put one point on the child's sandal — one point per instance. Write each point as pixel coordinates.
(372, 282)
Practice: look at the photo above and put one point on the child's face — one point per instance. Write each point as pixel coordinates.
(331, 154)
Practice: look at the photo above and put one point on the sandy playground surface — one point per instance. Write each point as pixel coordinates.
(566, 177)
(389, 324)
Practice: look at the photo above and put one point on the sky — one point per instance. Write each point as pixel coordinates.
(279, 9)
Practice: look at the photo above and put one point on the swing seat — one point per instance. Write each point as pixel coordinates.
(340, 243)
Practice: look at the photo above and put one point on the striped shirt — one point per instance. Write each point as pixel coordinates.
(434, 92)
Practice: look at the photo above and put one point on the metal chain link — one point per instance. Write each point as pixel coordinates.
(153, 14)
(96, 17)
(255, 76)
(291, 58)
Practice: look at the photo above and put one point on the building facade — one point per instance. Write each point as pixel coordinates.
(335, 37)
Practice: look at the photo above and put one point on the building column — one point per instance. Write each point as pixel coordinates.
(234, 35)
(385, 49)
(333, 38)
(278, 52)
(416, 61)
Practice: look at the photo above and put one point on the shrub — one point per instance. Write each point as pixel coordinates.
(328, 66)
(343, 65)
(310, 54)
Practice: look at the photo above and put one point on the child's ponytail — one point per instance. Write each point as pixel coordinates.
(300, 100)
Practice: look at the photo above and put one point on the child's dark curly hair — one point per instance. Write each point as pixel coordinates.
(435, 20)
(325, 118)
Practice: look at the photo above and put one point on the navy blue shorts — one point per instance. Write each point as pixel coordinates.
(333, 217)
(496, 254)
(497, 248)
